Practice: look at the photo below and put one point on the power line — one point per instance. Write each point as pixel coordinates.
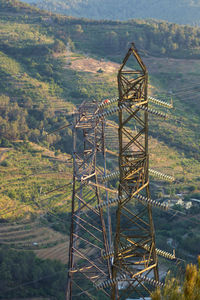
(33, 281)
(31, 203)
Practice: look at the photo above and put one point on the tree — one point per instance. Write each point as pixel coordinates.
(189, 290)
(59, 46)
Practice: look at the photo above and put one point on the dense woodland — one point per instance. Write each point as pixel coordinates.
(22, 274)
(37, 96)
(179, 11)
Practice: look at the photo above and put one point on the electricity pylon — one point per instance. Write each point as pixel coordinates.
(130, 269)
(88, 237)
(134, 246)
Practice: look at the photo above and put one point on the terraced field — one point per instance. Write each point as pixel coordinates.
(34, 236)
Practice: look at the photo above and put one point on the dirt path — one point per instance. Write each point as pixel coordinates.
(2, 153)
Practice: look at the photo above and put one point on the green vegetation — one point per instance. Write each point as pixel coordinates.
(25, 275)
(182, 11)
(39, 90)
(28, 173)
(189, 290)
(153, 37)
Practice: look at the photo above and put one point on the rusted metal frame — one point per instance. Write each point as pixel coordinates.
(134, 222)
(136, 81)
(138, 58)
(86, 292)
(91, 218)
(109, 225)
(87, 164)
(90, 140)
(114, 291)
(103, 228)
(131, 72)
(88, 193)
(71, 254)
(91, 197)
(129, 175)
(102, 187)
(88, 242)
(90, 262)
(131, 115)
(145, 270)
(143, 88)
(90, 160)
(151, 250)
(86, 213)
(88, 231)
(132, 281)
(99, 199)
(111, 152)
(108, 124)
(139, 189)
(132, 171)
(132, 84)
(90, 278)
(80, 166)
(156, 274)
(131, 165)
(138, 145)
(84, 221)
(129, 238)
(125, 60)
(131, 284)
(93, 282)
(141, 243)
(135, 161)
(138, 119)
(85, 204)
(136, 279)
(99, 171)
(136, 216)
(88, 176)
(134, 140)
(124, 79)
(129, 135)
(136, 244)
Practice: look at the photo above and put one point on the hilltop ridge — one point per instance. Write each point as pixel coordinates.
(179, 11)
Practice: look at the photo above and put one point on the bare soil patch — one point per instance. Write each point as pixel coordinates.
(88, 64)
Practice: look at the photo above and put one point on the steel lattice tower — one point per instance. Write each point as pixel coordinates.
(88, 238)
(97, 270)
(134, 247)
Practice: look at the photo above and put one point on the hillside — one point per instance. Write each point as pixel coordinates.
(179, 11)
(42, 81)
